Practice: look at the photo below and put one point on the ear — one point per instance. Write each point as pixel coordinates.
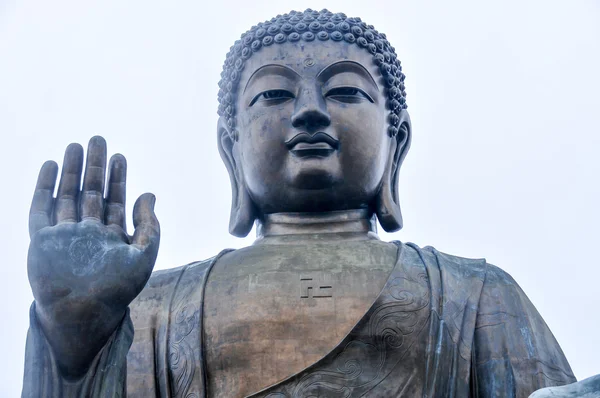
(243, 211)
(387, 206)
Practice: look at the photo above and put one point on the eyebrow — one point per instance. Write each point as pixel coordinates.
(356, 67)
(278, 69)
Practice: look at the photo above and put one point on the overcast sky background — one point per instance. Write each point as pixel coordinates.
(504, 163)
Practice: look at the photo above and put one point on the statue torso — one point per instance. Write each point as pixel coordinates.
(273, 309)
(438, 324)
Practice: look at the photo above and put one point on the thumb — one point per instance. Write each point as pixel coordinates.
(147, 229)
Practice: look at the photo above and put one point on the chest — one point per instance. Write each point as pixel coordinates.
(271, 312)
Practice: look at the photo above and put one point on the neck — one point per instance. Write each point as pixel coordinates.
(332, 226)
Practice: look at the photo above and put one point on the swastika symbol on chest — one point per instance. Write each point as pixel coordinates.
(313, 289)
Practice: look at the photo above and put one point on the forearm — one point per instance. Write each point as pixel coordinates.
(105, 373)
(77, 335)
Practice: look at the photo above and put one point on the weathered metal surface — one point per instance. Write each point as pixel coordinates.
(313, 130)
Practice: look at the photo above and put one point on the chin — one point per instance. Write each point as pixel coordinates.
(314, 173)
(315, 176)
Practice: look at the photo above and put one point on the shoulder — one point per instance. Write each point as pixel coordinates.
(465, 266)
(497, 278)
(162, 283)
(450, 266)
(168, 277)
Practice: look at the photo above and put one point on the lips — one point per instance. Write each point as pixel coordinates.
(312, 145)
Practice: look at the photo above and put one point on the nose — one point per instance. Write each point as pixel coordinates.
(311, 111)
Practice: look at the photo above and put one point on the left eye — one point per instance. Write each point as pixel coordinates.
(273, 96)
(348, 94)
(277, 94)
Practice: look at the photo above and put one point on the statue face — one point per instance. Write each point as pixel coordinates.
(312, 127)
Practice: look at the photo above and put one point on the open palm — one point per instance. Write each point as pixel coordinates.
(83, 268)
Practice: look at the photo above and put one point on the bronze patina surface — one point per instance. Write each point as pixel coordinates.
(313, 130)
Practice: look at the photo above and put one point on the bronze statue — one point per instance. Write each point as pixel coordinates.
(313, 130)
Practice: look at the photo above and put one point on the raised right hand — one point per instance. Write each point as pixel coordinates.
(83, 268)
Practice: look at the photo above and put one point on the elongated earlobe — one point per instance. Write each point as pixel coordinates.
(387, 205)
(243, 211)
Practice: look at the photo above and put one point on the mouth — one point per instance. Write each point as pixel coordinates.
(312, 145)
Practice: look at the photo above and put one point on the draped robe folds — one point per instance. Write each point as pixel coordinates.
(442, 326)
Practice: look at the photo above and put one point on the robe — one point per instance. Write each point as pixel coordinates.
(442, 326)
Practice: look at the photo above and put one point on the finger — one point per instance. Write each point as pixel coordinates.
(147, 228)
(65, 208)
(114, 214)
(92, 193)
(40, 214)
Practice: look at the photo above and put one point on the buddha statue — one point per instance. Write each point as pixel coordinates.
(313, 128)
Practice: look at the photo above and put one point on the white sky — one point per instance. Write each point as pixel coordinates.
(504, 164)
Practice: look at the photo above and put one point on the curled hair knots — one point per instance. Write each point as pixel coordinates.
(308, 26)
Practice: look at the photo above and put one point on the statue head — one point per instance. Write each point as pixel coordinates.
(312, 119)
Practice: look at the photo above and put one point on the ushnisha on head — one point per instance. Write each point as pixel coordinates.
(313, 118)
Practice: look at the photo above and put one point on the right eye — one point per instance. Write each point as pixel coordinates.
(272, 96)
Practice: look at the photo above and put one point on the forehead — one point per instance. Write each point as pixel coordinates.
(309, 58)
